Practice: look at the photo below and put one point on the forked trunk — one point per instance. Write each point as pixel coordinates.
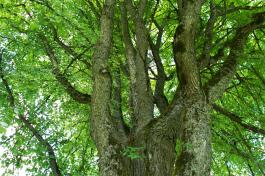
(181, 149)
(150, 147)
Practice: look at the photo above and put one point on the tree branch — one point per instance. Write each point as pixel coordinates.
(184, 46)
(136, 59)
(258, 75)
(232, 9)
(75, 94)
(141, 8)
(205, 56)
(220, 81)
(159, 95)
(76, 56)
(232, 116)
(52, 158)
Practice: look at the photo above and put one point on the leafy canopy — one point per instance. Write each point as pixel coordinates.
(71, 29)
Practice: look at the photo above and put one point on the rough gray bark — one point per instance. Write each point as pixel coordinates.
(102, 124)
(185, 119)
(195, 155)
(137, 63)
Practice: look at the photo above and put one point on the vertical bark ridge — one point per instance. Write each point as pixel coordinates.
(140, 86)
(102, 127)
(184, 46)
(195, 139)
(136, 58)
(194, 130)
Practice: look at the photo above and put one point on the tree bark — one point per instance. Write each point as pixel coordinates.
(157, 142)
(185, 120)
(154, 140)
(195, 153)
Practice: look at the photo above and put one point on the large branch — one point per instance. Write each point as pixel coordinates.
(184, 46)
(216, 11)
(159, 96)
(68, 49)
(117, 107)
(187, 69)
(74, 93)
(216, 86)
(137, 15)
(205, 56)
(103, 129)
(136, 58)
(51, 155)
(52, 158)
(235, 118)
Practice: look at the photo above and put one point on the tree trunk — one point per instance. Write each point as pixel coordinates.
(157, 144)
(149, 148)
(195, 152)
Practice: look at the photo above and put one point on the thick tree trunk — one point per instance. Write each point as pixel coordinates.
(195, 152)
(157, 145)
(154, 139)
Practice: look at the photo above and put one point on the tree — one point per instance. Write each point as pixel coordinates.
(162, 87)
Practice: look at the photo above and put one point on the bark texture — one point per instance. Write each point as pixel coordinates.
(185, 120)
(102, 125)
(155, 135)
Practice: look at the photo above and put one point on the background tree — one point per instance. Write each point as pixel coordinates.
(132, 87)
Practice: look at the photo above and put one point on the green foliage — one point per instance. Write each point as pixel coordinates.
(133, 152)
(178, 147)
(64, 123)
